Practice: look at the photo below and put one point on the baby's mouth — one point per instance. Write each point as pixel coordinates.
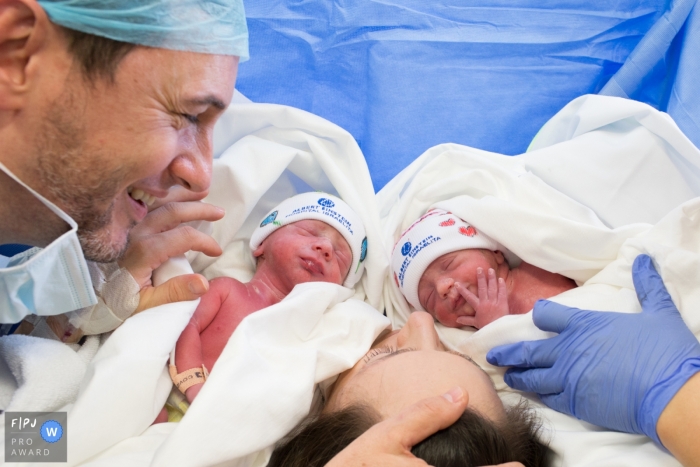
(458, 302)
(312, 266)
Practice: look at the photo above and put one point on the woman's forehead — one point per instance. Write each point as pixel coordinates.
(394, 381)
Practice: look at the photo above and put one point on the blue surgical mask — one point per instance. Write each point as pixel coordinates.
(52, 281)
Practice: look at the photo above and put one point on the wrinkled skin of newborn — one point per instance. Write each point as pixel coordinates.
(476, 287)
(305, 251)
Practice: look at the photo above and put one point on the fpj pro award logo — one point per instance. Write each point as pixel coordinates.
(36, 437)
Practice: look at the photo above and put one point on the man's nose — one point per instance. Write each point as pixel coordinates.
(419, 333)
(443, 286)
(192, 167)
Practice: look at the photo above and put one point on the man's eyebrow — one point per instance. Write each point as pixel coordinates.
(208, 100)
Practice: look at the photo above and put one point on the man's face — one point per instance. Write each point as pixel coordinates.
(436, 289)
(307, 251)
(108, 149)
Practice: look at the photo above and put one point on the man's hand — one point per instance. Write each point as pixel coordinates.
(491, 304)
(389, 442)
(161, 236)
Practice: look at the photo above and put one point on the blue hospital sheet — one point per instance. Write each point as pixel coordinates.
(404, 75)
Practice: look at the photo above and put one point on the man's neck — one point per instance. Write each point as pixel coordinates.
(26, 220)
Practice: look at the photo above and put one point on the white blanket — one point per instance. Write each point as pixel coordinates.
(590, 195)
(598, 188)
(264, 381)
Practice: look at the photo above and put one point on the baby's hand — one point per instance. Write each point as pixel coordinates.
(491, 304)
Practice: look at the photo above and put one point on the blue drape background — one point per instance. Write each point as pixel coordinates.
(404, 75)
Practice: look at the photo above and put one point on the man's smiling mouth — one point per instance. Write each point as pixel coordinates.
(140, 196)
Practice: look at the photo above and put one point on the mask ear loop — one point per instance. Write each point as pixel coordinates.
(55, 209)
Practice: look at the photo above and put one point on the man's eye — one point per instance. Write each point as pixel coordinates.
(191, 118)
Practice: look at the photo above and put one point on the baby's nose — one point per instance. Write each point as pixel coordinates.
(444, 285)
(324, 247)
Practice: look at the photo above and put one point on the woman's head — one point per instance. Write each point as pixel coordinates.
(402, 368)
(408, 365)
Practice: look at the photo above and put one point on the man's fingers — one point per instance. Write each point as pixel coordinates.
(177, 194)
(539, 380)
(150, 252)
(424, 418)
(171, 215)
(178, 289)
(650, 288)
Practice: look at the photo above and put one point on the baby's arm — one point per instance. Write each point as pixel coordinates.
(188, 352)
(491, 304)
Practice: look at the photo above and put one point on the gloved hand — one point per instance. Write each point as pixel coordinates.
(616, 370)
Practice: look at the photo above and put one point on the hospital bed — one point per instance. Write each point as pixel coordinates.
(322, 329)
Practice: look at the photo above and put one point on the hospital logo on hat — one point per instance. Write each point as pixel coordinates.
(406, 248)
(325, 202)
(269, 219)
(363, 250)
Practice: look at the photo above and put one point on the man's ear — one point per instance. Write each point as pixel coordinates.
(23, 31)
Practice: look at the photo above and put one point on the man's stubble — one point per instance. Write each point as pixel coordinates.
(83, 181)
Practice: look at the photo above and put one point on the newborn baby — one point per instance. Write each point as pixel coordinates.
(442, 265)
(311, 237)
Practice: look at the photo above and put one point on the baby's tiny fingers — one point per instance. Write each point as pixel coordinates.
(502, 291)
(471, 299)
(493, 285)
(481, 284)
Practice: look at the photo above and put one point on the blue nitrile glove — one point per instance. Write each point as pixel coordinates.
(616, 370)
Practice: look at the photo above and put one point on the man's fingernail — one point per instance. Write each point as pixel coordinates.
(197, 287)
(220, 209)
(454, 395)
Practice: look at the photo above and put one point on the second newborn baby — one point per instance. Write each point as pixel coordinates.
(462, 277)
(311, 237)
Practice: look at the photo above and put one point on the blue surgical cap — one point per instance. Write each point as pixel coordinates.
(206, 26)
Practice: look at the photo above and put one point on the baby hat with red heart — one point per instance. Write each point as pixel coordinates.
(434, 234)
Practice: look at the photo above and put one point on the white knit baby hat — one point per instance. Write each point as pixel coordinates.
(434, 234)
(325, 208)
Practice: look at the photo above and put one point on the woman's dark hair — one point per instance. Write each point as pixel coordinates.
(473, 440)
(98, 57)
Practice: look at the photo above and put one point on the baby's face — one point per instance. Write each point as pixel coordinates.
(436, 291)
(307, 251)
